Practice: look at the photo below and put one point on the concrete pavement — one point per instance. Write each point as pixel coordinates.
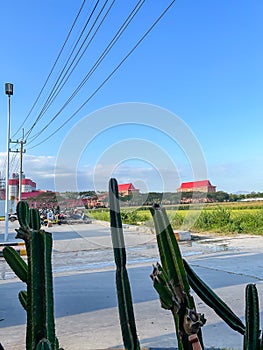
(84, 276)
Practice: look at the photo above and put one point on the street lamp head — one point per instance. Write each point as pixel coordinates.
(9, 89)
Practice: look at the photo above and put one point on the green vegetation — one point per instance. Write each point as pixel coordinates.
(240, 217)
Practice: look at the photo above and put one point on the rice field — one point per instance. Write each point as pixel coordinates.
(227, 218)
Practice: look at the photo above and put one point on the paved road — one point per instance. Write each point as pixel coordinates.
(86, 312)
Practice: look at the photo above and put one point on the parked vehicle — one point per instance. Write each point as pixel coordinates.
(12, 210)
(76, 218)
(13, 217)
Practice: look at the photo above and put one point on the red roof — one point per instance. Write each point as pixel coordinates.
(192, 184)
(26, 195)
(126, 187)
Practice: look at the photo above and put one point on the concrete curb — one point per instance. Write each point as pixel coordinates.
(181, 236)
(4, 244)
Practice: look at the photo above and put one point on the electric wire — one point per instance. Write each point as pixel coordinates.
(95, 66)
(53, 67)
(109, 76)
(69, 72)
(72, 51)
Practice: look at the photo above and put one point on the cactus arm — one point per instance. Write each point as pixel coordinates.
(252, 334)
(17, 264)
(34, 219)
(213, 300)
(126, 314)
(22, 296)
(23, 214)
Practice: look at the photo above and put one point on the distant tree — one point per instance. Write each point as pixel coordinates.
(221, 196)
(88, 194)
(153, 197)
(254, 195)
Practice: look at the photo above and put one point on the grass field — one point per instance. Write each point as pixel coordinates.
(227, 218)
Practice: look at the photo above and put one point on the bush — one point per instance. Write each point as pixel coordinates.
(134, 217)
(177, 220)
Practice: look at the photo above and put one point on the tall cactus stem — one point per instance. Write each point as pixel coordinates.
(38, 300)
(125, 305)
(170, 254)
(252, 334)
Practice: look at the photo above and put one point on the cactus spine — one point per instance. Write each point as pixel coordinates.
(37, 274)
(173, 286)
(125, 305)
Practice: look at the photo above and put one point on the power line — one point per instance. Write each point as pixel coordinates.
(96, 65)
(56, 90)
(110, 75)
(53, 67)
(50, 95)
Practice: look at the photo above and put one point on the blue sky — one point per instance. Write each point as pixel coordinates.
(202, 63)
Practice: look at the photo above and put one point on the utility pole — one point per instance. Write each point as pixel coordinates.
(21, 151)
(9, 92)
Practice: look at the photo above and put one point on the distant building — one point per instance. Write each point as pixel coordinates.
(197, 186)
(28, 186)
(127, 189)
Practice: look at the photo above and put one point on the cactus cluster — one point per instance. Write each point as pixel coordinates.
(171, 282)
(37, 299)
(172, 279)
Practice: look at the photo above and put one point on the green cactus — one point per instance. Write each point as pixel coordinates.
(213, 300)
(164, 288)
(17, 264)
(22, 296)
(174, 289)
(37, 274)
(125, 305)
(44, 344)
(23, 214)
(252, 333)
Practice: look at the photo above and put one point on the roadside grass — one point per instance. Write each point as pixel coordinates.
(225, 218)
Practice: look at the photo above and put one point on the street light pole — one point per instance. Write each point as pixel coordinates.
(9, 92)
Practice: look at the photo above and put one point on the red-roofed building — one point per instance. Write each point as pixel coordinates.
(28, 186)
(197, 186)
(127, 189)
